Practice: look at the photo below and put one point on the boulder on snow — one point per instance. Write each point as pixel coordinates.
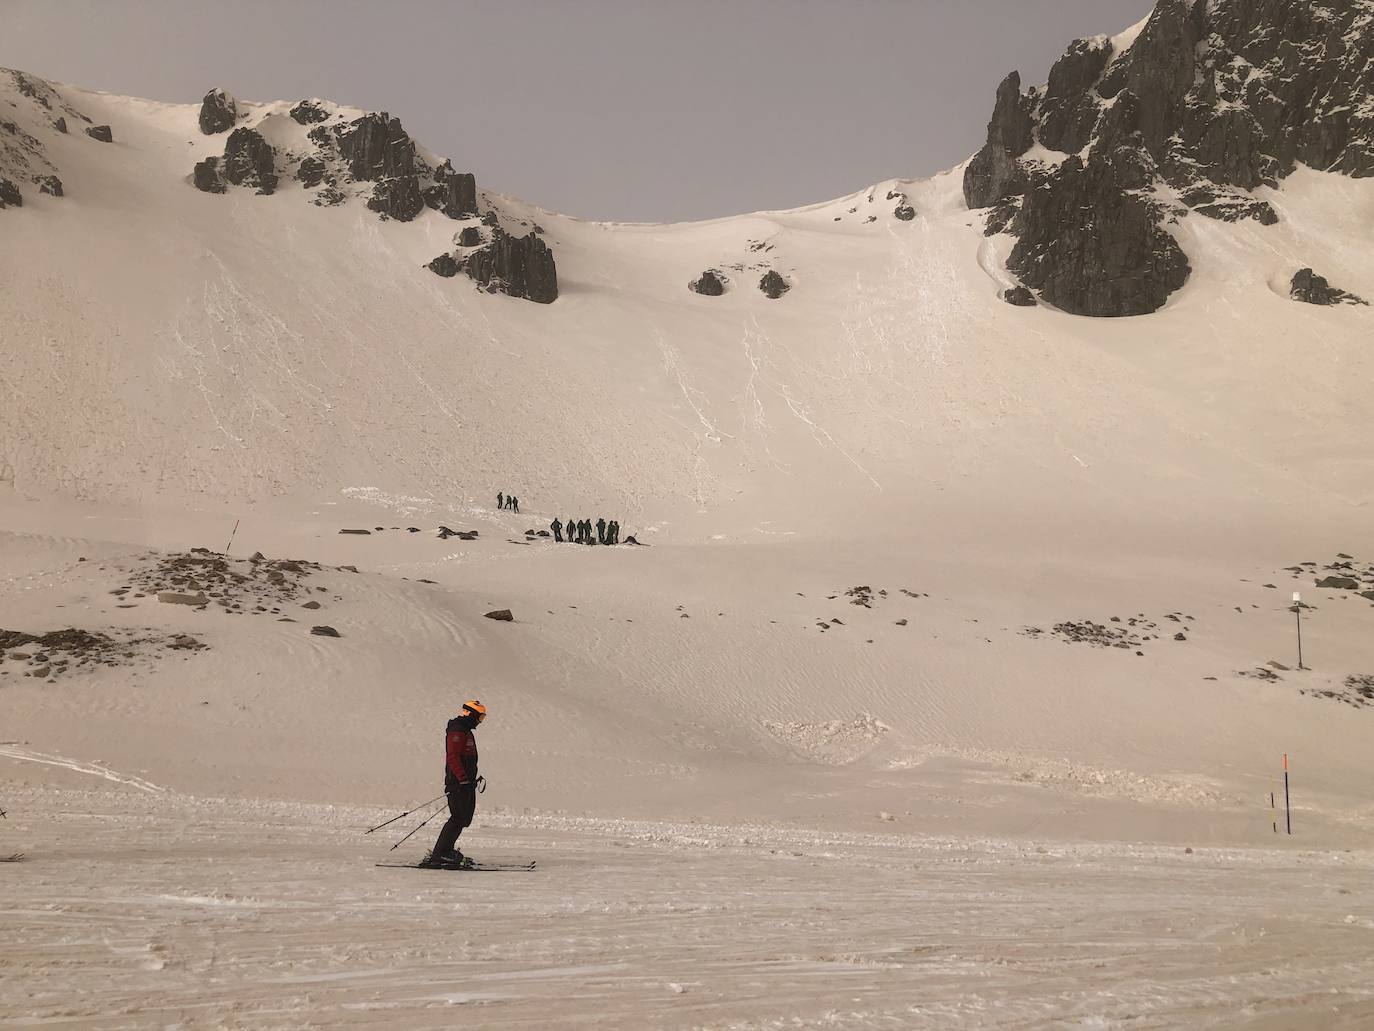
(471, 236)
(325, 631)
(10, 195)
(218, 111)
(709, 284)
(101, 133)
(178, 598)
(207, 177)
(502, 615)
(1339, 583)
(249, 160)
(1020, 297)
(60, 125)
(445, 265)
(773, 285)
(49, 184)
(904, 212)
(1311, 288)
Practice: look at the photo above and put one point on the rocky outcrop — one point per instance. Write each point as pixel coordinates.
(1090, 247)
(709, 284)
(993, 173)
(60, 125)
(1211, 101)
(773, 285)
(49, 184)
(10, 197)
(101, 133)
(904, 212)
(397, 197)
(249, 160)
(453, 193)
(375, 146)
(1311, 288)
(518, 266)
(1020, 297)
(308, 112)
(218, 111)
(470, 236)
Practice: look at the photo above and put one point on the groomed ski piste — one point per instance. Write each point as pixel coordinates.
(950, 690)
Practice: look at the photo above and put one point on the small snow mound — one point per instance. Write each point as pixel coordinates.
(833, 742)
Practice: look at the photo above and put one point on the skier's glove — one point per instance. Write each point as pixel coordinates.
(481, 784)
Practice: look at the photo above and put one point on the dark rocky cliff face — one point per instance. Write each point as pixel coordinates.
(521, 266)
(218, 111)
(1214, 99)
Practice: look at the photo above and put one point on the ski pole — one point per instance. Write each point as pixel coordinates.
(431, 816)
(413, 809)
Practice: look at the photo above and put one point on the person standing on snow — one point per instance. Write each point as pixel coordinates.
(500, 500)
(557, 529)
(460, 783)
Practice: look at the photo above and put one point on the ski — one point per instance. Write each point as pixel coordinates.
(18, 857)
(474, 868)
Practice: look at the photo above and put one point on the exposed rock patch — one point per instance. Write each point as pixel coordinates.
(10, 197)
(1020, 297)
(773, 285)
(308, 112)
(102, 133)
(709, 284)
(518, 266)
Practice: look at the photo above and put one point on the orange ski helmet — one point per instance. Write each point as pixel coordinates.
(475, 708)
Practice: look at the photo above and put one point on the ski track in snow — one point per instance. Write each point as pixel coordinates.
(21, 754)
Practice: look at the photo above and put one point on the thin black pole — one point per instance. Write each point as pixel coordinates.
(1287, 807)
(431, 816)
(236, 530)
(412, 809)
(1297, 611)
(1273, 815)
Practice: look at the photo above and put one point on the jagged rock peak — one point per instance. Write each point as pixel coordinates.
(249, 160)
(376, 146)
(1212, 99)
(218, 111)
(308, 112)
(1311, 288)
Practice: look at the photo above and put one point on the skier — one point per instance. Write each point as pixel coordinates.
(572, 531)
(500, 500)
(515, 505)
(601, 530)
(460, 783)
(557, 529)
(613, 533)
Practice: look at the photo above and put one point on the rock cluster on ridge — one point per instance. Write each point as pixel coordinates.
(1311, 288)
(1211, 101)
(218, 111)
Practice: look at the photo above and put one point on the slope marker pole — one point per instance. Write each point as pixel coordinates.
(236, 530)
(1287, 807)
(1297, 611)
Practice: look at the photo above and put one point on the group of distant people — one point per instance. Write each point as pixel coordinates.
(509, 502)
(584, 531)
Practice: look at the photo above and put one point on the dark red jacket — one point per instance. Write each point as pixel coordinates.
(460, 766)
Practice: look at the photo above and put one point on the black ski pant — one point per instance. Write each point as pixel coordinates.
(462, 801)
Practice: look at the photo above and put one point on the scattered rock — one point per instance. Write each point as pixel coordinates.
(324, 631)
(773, 285)
(709, 284)
(311, 605)
(207, 177)
(101, 133)
(445, 265)
(503, 615)
(1020, 297)
(249, 160)
(218, 111)
(1339, 583)
(60, 125)
(904, 212)
(366, 533)
(470, 236)
(10, 195)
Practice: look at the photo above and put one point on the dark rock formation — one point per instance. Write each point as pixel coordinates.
(249, 161)
(1091, 248)
(518, 266)
(324, 631)
(60, 125)
(453, 193)
(500, 615)
(993, 172)
(218, 111)
(471, 236)
(308, 112)
(1311, 288)
(445, 265)
(375, 146)
(905, 212)
(311, 172)
(49, 184)
(1339, 583)
(397, 197)
(1212, 100)
(708, 284)
(101, 133)
(10, 195)
(207, 176)
(773, 285)
(1020, 297)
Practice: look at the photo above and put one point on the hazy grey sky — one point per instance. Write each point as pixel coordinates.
(612, 109)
